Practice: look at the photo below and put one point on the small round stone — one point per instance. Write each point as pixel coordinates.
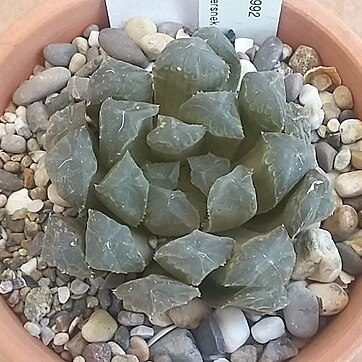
(138, 347)
(342, 223)
(59, 54)
(333, 125)
(79, 359)
(325, 154)
(322, 131)
(342, 159)
(93, 39)
(117, 350)
(130, 319)
(309, 95)
(63, 294)
(13, 144)
(142, 331)
(97, 352)
(81, 44)
(351, 261)
(13, 167)
(333, 297)
(79, 287)
(34, 329)
(77, 62)
(351, 131)
(61, 339)
(47, 335)
(293, 86)
(343, 97)
(154, 44)
(89, 28)
(100, 327)
(139, 26)
(349, 184)
(267, 329)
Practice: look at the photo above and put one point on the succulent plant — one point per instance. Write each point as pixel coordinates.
(199, 194)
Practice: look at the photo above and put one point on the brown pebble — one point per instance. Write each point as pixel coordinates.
(28, 176)
(38, 193)
(343, 97)
(357, 159)
(342, 223)
(138, 347)
(89, 28)
(304, 59)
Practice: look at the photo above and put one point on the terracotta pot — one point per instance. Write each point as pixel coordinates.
(302, 22)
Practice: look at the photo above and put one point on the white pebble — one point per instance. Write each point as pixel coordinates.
(309, 96)
(79, 359)
(55, 198)
(81, 44)
(9, 117)
(41, 177)
(322, 131)
(35, 205)
(142, 331)
(139, 26)
(61, 339)
(37, 155)
(116, 349)
(58, 209)
(246, 67)
(243, 44)
(77, 62)
(33, 329)
(333, 125)
(22, 128)
(315, 116)
(150, 67)
(2, 130)
(342, 159)
(221, 360)
(63, 294)
(234, 327)
(17, 201)
(21, 112)
(153, 44)
(181, 34)
(93, 39)
(29, 266)
(268, 329)
(351, 131)
(10, 128)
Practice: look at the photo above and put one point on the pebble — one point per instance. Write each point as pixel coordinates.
(317, 256)
(9, 181)
(190, 315)
(243, 44)
(181, 34)
(333, 125)
(343, 97)
(333, 298)
(41, 85)
(33, 329)
(81, 44)
(351, 131)
(76, 345)
(349, 184)
(89, 28)
(79, 287)
(304, 59)
(139, 26)
(54, 196)
(178, 345)
(301, 315)
(41, 178)
(122, 337)
(293, 86)
(247, 353)
(93, 39)
(355, 241)
(47, 335)
(100, 327)
(342, 223)
(279, 350)
(342, 159)
(38, 303)
(130, 319)
(138, 347)
(267, 329)
(268, 54)
(126, 358)
(169, 28)
(2, 130)
(351, 261)
(142, 331)
(63, 294)
(325, 154)
(120, 46)
(286, 53)
(154, 44)
(246, 67)
(233, 326)
(13, 167)
(10, 129)
(22, 128)
(331, 111)
(3, 200)
(346, 114)
(356, 159)
(59, 54)
(10, 117)
(61, 339)
(17, 201)
(13, 144)
(79, 359)
(77, 62)
(309, 95)
(29, 266)
(97, 352)
(116, 349)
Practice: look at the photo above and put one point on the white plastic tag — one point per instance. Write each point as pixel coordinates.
(256, 19)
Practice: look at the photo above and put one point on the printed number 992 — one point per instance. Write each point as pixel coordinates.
(255, 8)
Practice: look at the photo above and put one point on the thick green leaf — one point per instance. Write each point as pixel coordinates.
(110, 245)
(231, 201)
(310, 202)
(175, 140)
(216, 111)
(124, 191)
(278, 161)
(221, 45)
(155, 294)
(60, 123)
(169, 213)
(259, 261)
(205, 170)
(163, 174)
(63, 246)
(123, 125)
(185, 67)
(192, 257)
(71, 166)
(119, 80)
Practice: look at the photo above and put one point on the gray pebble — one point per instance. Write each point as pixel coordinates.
(330, 111)
(269, 54)
(334, 140)
(169, 28)
(38, 303)
(293, 85)
(247, 353)
(351, 261)
(47, 335)
(92, 54)
(279, 350)
(89, 28)
(301, 315)
(178, 345)
(37, 117)
(9, 181)
(325, 156)
(120, 46)
(41, 85)
(78, 287)
(34, 329)
(130, 319)
(13, 144)
(59, 54)
(346, 114)
(105, 298)
(122, 337)
(97, 352)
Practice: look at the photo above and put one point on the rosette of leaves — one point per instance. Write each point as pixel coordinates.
(196, 195)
